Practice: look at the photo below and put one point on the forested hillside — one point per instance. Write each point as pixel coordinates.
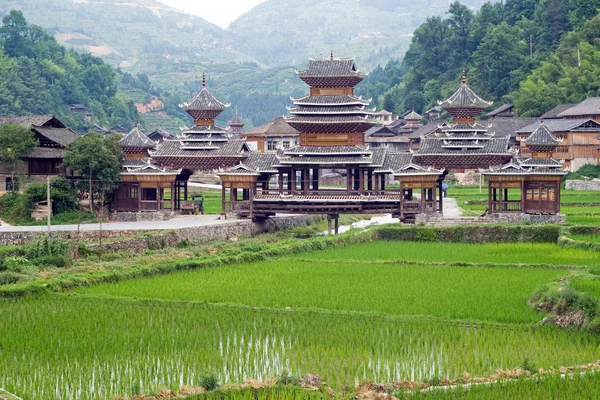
(287, 32)
(39, 76)
(535, 53)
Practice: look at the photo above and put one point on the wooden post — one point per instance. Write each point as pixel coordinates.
(232, 197)
(280, 177)
(522, 196)
(185, 190)
(383, 182)
(140, 191)
(557, 197)
(370, 180)
(223, 194)
(500, 197)
(315, 179)
(172, 196)
(377, 183)
(348, 179)
(401, 201)
(329, 224)
(251, 199)
(361, 180)
(441, 194)
(48, 203)
(293, 175)
(337, 224)
(490, 198)
(158, 197)
(422, 199)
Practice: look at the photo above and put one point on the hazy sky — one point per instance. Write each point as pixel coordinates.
(219, 12)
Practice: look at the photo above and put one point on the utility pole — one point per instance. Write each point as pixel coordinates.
(578, 55)
(49, 202)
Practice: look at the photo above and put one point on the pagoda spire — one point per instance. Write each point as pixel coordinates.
(331, 57)
(204, 79)
(464, 77)
(204, 107)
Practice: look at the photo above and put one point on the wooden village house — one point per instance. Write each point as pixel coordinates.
(54, 137)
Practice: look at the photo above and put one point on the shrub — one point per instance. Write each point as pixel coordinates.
(43, 246)
(58, 261)
(9, 277)
(208, 381)
(14, 263)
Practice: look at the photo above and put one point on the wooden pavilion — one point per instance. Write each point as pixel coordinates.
(530, 185)
(331, 122)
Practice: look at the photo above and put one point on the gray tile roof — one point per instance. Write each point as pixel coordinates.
(46, 153)
(502, 127)
(330, 67)
(137, 138)
(326, 150)
(540, 162)
(331, 100)
(415, 169)
(328, 160)
(236, 120)
(514, 168)
(28, 121)
(541, 137)
(465, 97)
(204, 100)
(557, 125)
(426, 130)
(61, 136)
(379, 156)
(209, 129)
(261, 162)
(333, 119)
(276, 127)
(590, 106)
(160, 132)
(413, 116)
(173, 148)
(433, 145)
(556, 111)
(148, 168)
(357, 109)
(394, 161)
(505, 108)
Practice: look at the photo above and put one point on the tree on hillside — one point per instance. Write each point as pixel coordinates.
(501, 53)
(97, 158)
(15, 142)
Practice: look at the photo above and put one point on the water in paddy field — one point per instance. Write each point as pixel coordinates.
(379, 220)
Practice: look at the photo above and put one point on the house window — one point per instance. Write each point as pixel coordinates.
(286, 144)
(133, 193)
(44, 167)
(9, 184)
(271, 145)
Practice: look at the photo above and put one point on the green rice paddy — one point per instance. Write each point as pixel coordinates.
(380, 311)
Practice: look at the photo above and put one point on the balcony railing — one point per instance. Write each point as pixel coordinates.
(506, 206)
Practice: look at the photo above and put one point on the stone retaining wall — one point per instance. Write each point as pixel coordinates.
(142, 216)
(168, 238)
(582, 185)
(502, 218)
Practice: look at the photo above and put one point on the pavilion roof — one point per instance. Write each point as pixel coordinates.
(331, 100)
(204, 101)
(137, 138)
(146, 167)
(514, 167)
(541, 137)
(180, 148)
(465, 97)
(276, 127)
(435, 146)
(334, 67)
(394, 161)
(415, 169)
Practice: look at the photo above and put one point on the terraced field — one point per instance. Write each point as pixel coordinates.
(382, 311)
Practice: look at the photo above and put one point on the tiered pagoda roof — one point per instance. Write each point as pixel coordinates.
(541, 139)
(332, 72)
(464, 103)
(137, 141)
(326, 110)
(204, 146)
(236, 124)
(204, 106)
(326, 155)
(465, 144)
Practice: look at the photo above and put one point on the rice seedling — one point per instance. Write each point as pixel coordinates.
(495, 253)
(66, 346)
(481, 293)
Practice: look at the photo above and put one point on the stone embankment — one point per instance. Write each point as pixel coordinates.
(514, 218)
(583, 185)
(140, 240)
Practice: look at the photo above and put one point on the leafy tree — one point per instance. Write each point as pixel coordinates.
(15, 142)
(97, 158)
(501, 52)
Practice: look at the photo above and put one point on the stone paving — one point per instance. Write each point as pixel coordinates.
(179, 222)
(451, 208)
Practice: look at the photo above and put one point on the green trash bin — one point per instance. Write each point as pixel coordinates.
(198, 200)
